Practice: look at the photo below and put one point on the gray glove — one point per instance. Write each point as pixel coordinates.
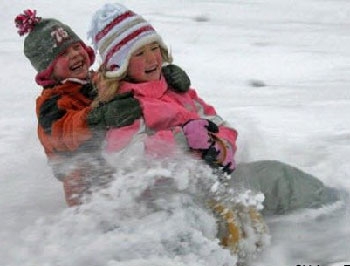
(176, 78)
(121, 111)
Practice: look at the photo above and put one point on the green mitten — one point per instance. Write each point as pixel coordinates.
(176, 78)
(121, 111)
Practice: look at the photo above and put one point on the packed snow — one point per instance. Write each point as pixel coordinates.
(276, 70)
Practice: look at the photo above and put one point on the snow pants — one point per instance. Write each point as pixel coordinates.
(286, 188)
(81, 174)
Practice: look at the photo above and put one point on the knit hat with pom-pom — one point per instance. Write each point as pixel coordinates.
(46, 40)
(117, 32)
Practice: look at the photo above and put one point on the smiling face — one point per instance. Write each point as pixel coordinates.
(73, 63)
(145, 64)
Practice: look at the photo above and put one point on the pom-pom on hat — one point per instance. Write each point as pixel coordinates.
(116, 33)
(46, 39)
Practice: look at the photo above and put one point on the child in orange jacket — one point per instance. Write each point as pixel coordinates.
(68, 128)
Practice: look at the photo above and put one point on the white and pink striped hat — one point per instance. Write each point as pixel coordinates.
(116, 33)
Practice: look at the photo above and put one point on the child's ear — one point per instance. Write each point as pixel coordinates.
(91, 53)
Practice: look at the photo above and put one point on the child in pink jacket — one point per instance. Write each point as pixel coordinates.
(133, 54)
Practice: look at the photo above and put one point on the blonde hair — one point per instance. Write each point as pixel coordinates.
(112, 84)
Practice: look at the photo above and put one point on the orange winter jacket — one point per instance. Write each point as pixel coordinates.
(62, 112)
(69, 144)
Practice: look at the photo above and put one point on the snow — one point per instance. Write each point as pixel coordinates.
(276, 70)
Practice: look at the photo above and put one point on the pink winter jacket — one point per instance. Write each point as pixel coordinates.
(164, 113)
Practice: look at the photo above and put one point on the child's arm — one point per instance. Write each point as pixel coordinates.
(207, 111)
(220, 139)
(62, 115)
(66, 119)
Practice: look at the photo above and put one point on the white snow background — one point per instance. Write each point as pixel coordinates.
(277, 70)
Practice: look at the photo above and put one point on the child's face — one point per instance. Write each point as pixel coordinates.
(146, 63)
(73, 63)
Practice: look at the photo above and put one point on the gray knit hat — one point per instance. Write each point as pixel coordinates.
(46, 39)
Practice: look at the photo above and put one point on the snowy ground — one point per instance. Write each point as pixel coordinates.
(298, 49)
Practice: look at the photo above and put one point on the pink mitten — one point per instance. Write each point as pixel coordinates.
(197, 133)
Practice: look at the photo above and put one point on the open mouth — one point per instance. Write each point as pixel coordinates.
(77, 66)
(153, 69)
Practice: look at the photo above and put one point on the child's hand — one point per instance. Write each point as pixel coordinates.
(121, 111)
(177, 79)
(220, 154)
(200, 135)
(197, 133)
